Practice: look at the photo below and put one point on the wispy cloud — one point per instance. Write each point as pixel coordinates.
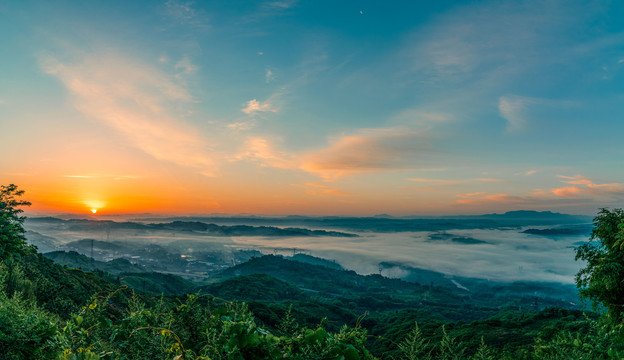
(184, 12)
(242, 125)
(263, 152)
(269, 76)
(586, 188)
(514, 109)
(484, 198)
(316, 189)
(254, 106)
(281, 4)
(134, 99)
(455, 182)
(369, 150)
(113, 177)
(185, 67)
(80, 176)
(581, 190)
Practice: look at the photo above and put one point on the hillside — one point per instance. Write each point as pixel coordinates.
(75, 260)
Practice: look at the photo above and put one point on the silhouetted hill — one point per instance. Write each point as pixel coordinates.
(385, 223)
(209, 229)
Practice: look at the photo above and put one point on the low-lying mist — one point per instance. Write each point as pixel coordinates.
(500, 254)
(504, 255)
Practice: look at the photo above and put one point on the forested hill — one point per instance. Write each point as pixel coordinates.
(377, 293)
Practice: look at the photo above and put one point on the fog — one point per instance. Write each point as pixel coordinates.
(508, 255)
(501, 254)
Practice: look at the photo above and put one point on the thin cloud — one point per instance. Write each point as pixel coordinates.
(262, 151)
(455, 182)
(586, 188)
(269, 76)
(242, 125)
(580, 190)
(316, 189)
(369, 150)
(114, 177)
(470, 195)
(282, 4)
(80, 176)
(254, 106)
(185, 67)
(133, 99)
(482, 198)
(514, 110)
(184, 13)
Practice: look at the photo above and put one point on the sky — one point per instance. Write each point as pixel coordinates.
(313, 107)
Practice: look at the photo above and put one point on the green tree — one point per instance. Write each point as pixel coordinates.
(12, 238)
(602, 279)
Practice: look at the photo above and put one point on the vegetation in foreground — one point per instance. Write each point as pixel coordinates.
(52, 312)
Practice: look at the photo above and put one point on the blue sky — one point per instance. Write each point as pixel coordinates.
(313, 107)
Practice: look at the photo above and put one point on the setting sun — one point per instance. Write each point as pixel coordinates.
(93, 211)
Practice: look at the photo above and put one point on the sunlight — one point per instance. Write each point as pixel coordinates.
(94, 205)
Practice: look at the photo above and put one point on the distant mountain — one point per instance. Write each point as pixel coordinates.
(244, 230)
(387, 223)
(43, 243)
(203, 228)
(528, 217)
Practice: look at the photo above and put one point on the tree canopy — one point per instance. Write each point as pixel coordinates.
(12, 238)
(602, 279)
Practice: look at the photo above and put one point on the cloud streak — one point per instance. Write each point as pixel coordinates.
(580, 189)
(513, 109)
(261, 150)
(369, 150)
(133, 99)
(254, 106)
(584, 188)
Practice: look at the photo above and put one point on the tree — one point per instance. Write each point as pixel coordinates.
(602, 279)
(12, 238)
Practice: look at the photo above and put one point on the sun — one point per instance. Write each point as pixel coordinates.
(93, 211)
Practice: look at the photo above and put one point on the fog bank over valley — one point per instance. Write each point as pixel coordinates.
(516, 246)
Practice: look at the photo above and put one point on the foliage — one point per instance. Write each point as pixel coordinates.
(12, 239)
(24, 328)
(602, 279)
(414, 345)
